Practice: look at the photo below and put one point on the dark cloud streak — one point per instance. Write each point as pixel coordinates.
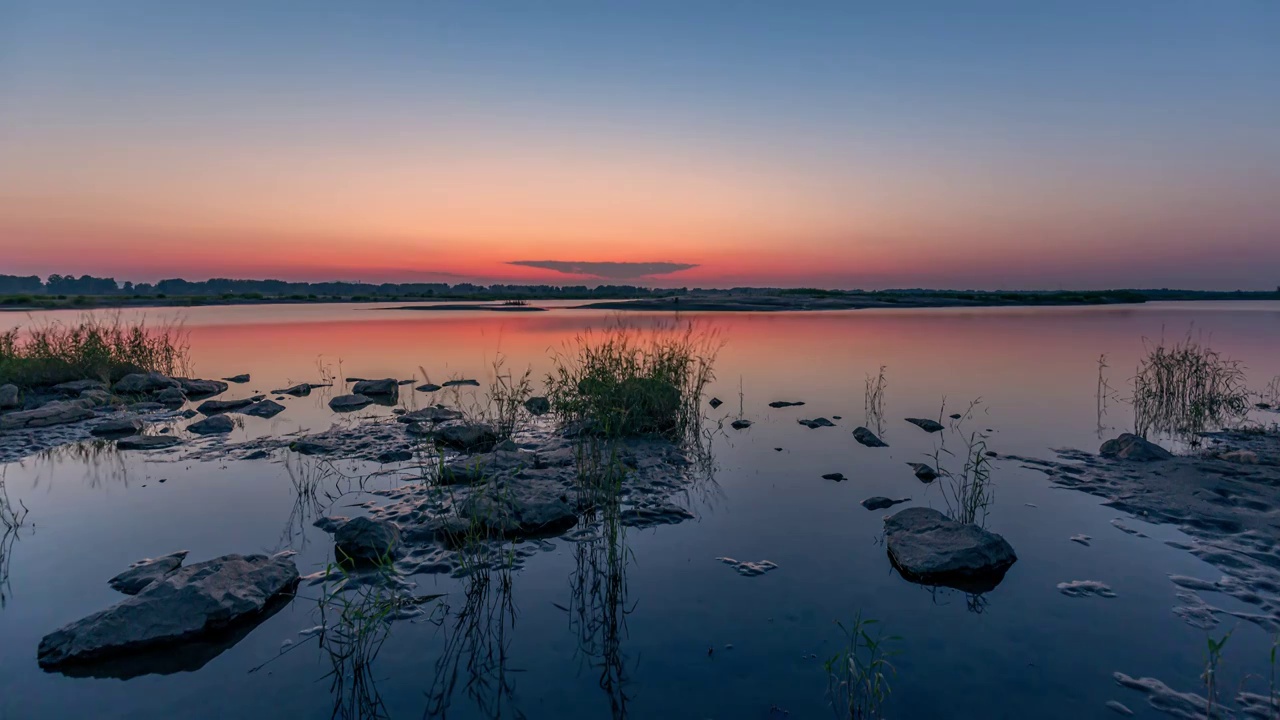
(606, 270)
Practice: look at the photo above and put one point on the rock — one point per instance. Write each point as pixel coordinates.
(1242, 457)
(264, 409)
(1118, 707)
(529, 508)
(146, 407)
(99, 398)
(347, 403)
(880, 503)
(59, 412)
(925, 424)
(427, 387)
(838, 477)
(928, 547)
(75, 387)
(955, 416)
(748, 568)
(372, 388)
(925, 472)
(188, 413)
(138, 383)
(1131, 447)
(816, 423)
(361, 540)
(213, 407)
(740, 424)
(171, 397)
(144, 572)
(537, 405)
(147, 442)
(471, 437)
(430, 415)
(868, 438)
(213, 425)
(298, 390)
(125, 425)
(190, 602)
(315, 446)
(9, 397)
(784, 403)
(201, 388)
(394, 456)
(240, 379)
(715, 402)
(458, 383)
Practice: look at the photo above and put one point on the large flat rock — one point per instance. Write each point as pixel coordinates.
(931, 548)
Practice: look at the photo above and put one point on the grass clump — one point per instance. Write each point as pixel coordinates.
(103, 349)
(627, 383)
(1186, 388)
(858, 677)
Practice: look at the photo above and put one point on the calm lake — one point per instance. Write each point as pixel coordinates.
(664, 630)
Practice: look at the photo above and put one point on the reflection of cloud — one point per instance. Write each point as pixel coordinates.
(610, 270)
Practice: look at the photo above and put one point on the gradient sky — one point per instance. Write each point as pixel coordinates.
(1015, 144)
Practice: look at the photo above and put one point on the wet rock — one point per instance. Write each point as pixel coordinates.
(740, 424)
(1085, 588)
(868, 438)
(784, 404)
(190, 602)
(201, 388)
(170, 397)
(1240, 457)
(749, 569)
(537, 405)
(372, 388)
(125, 425)
(361, 540)
(1131, 447)
(238, 379)
(59, 412)
(99, 398)
(1081, 539)
(144, 572)
(264, 409)
(928, 547)
(315, 446)
(924, 472)
(459, 383)
(430, 415)
(347, 403)
(214, 425)
(148, 442)
(925, 424)
(816, 423)
(387, 457)
(299, 390)
(880, 503)
(213, 407)
(715, 402)
(838, 477)
(654, 515)
(1117, 707)
(532, 508)
(955, 416)
(188, 413)
(9, 397)
(475, 468)
(75, 387)
(330, 524)
(468, 437)
(138, 383)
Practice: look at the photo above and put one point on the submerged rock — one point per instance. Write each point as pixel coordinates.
(138, 383)
(213, 407)
(785, 403)
(387, 457)
(816, 423)
(347, 403)
(264, 409)
(880, 503)
(925, 424)
(924, 472)
(371, 388)
(190, 602)
(298, 390)
(537, 405)
(147, 442)
(362, 541)
(125, 425)
(930, 548)
(144, 572)
(59, 412)
(1085, 588)
(470, 437)
(431, 415)
(213, 425)
(748, 568)
(533, 508)
(1131, 447)
(868, 438)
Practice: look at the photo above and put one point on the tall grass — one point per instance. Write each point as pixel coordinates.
(98, 348)
(873, 400)
(1186, 388)
(12, 518)
(626, 383)
(859, 676)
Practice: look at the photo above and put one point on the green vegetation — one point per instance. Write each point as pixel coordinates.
(1186, 388)
(626, 384)
(93, 348)
(858, 677)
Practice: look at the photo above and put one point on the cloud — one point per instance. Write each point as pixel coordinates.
(607, 270)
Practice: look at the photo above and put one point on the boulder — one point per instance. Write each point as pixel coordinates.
(124, 425)
(427, 387)
(925, 424)
(347, 403)
(75, 387)
(928, 547)
(868, 438)
(372, 388)
(468, 437)
(9, 397)
(59, 412)
(1131, 447)
(213, 407)
(171, 397)
(188, 603)
(361, 540)
(240, 379)
(264, 409)
(138, 383)
(924, 472)
(459, 383)
(880, 503)
(537, 405)
(213, 425)
(201, 388)
(147, 442)
(144, 572)
(816, 423)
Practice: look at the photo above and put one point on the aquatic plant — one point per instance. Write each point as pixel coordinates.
(859, 676)
(506, 398)
(99, 348)
(1186, 388)
(969, 492)
(625, 383)
(1271, 393)
(12, 519)
(1210, 675)
(1104, 394)
(873, 400)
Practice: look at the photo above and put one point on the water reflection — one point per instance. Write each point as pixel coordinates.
(12, 517)
(598, 606)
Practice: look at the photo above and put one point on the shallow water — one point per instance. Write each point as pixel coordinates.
(654, 640)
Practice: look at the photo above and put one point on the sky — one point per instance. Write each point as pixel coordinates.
(927, 143)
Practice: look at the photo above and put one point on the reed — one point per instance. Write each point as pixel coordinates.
(99, 348)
